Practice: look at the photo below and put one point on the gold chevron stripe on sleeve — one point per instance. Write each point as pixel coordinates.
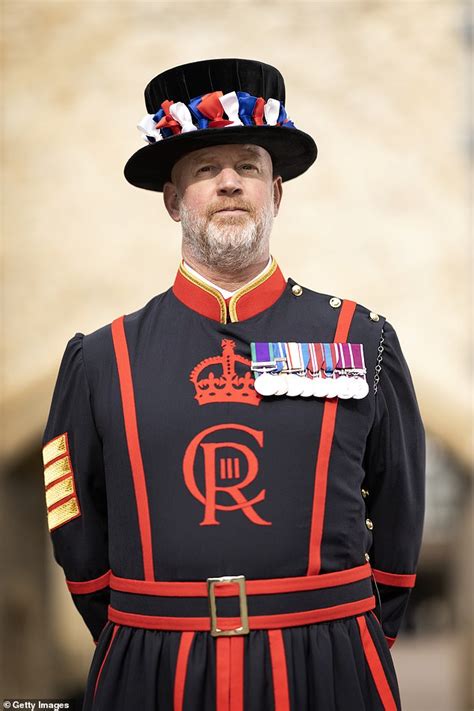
(59, 491)
(57, 469)
(63, 513)
(55, 448)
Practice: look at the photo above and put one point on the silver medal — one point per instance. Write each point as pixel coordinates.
(320, 388)
(265, 384)
(361, 388)
(344, 387)
(332, 387)
(307, 387)
(295, 384)
(282, 385)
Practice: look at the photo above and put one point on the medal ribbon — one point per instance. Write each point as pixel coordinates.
(295, 356)
(262, 356)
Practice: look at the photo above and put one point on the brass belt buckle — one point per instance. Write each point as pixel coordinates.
(244, 618)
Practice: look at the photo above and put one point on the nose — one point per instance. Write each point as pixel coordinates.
(229, 182)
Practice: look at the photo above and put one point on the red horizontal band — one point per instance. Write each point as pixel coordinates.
(252, 587)
(203, 624)
(396, 579)
(88, 586)
(390, 640)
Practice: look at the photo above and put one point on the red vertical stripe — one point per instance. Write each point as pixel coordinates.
(324, 452)
(230, 673)
(181, 668)
(133, 442)
(222, 673)
(236, 673)
(375, 666)
(279, 669)
(104, 659)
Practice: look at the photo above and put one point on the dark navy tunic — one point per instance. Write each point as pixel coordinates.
(162, 463)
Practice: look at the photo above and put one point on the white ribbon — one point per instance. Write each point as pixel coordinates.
(147, 126)
(230, 104)
(182, 115)
(271, 111)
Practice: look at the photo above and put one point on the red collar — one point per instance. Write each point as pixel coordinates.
(247, 301)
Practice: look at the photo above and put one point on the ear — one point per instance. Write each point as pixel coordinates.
(171, 200)
(277, 194)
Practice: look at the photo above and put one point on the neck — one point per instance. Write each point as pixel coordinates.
(228, 280)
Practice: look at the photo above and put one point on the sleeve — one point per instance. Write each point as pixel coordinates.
(394, 486)
(75, 490)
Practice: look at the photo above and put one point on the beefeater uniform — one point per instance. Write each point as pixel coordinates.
(231, 551)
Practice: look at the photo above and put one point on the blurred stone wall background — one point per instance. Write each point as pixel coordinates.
(381, 218)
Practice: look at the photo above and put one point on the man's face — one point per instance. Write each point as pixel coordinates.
(225, 198)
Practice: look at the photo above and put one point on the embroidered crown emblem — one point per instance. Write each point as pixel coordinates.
(226, 385)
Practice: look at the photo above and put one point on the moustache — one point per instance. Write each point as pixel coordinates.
(213, 209)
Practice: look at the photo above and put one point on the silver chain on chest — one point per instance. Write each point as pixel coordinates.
(378, 367)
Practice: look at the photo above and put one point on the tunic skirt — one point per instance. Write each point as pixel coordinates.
(341, 665)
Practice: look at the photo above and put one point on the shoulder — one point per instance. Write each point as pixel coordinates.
(97, 345)
(332, 303)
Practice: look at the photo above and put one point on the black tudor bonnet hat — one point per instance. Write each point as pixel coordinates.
(211, 102)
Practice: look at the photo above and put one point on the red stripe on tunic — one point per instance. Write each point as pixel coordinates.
(252, 587)
(375, 666)
(181, 669)
(230, 673)
(397, 579)
(279, 669)
(236, 673)
(324, 452)
(88, 586)
(133, 442)
(203, 624)
(222, 673)
(105, 658)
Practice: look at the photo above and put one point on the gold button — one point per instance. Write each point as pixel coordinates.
(374, 317)
(367, 557)
(369, 524)
(335, 302)
(296, 289)
(364, 493)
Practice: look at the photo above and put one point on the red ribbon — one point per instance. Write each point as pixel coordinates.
(212, 109)
(258, 113)
(168, 121)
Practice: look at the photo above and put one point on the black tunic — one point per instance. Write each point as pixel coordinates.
(162, 465)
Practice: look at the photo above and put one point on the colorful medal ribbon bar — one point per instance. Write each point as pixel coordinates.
(320, 369)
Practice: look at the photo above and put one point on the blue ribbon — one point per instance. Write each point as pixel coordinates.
(165, 132)
(328, 358)
(201, 119)
(246, 106)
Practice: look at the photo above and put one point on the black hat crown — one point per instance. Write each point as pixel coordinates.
(212, 102)
(187, 81)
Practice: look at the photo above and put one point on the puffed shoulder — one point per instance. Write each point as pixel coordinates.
(70, 401)
(72, 364)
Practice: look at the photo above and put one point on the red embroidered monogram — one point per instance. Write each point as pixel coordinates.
(226, 468)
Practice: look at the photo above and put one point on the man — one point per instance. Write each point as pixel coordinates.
(235, 472)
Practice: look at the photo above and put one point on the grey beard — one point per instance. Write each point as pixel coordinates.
(229, 246)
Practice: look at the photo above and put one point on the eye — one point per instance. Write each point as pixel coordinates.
(248, 167)
(204, 169)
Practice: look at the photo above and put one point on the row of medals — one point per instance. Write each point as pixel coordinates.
(294, 384)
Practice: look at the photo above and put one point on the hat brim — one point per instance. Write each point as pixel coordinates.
(292, 152)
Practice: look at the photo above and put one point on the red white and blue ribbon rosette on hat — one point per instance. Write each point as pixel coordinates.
(213, 110)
